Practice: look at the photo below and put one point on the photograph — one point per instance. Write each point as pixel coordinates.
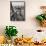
(17, 11)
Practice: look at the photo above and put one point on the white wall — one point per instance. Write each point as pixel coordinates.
(32, 8)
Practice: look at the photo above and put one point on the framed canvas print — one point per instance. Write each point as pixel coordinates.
(17, 11)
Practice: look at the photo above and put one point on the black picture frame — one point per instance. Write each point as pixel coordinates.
(17, 10)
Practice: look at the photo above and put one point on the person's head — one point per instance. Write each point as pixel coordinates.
(43, 8)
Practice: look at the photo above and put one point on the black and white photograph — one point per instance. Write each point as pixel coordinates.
(17, 11)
